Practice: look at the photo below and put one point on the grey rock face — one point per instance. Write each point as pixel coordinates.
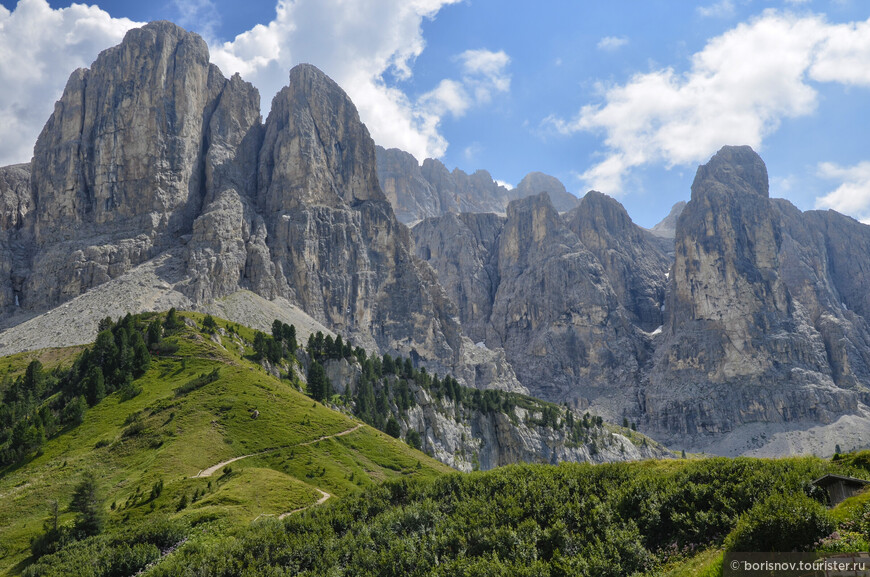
(756, 329)
(667, 228)
(16, 216)
(16, 200)
(463, 250)
(527, 283)
(417, 192)
(633, 260)
(118, 169)
(538, 182)
(412, 196)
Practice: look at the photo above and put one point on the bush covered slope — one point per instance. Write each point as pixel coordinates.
(191, 409)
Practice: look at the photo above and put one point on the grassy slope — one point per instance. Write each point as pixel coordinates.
(185, 434)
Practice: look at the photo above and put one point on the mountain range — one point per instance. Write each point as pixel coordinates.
(738, 325)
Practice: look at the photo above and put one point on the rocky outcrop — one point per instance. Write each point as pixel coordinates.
(411, 195)
(468, 434)
(418, 192)
(16, 200)
(537, 182)
(16, 212)
(634, 261)
(667, 228)
(118, 170)
(756, 327)
(152, 155)
(528, 283)
(471, 439)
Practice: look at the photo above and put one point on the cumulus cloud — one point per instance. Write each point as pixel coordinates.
(738, 90)
(357, 44)
(721, 9)
(483, 73)
(852, 196)
(201, 16)
(39, 48)
(611, 43)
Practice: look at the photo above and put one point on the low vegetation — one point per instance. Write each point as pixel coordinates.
(142, 478)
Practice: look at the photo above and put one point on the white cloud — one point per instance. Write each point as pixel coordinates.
(39, 48)
(356, 43)
(471, 152)
(721, 9)
(738, 90)
(505, 184)
(485, 72)
(482, 73)
(852, 196)
(201, 16)
(612, 43)
(843, 55)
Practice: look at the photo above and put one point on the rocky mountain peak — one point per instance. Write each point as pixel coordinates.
(536, 182)
(667, 227)
(601, 211)
(534, 218)
(314, 123)
(733, 170)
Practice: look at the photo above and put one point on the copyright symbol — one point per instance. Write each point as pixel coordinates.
(735, 565)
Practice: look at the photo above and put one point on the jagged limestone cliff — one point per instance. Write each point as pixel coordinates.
(756, 325)
(468, 434)
(529, 283)
(417, 192)
(154, 159)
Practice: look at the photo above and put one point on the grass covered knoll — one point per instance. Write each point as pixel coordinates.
(649, 518)
(191, 409)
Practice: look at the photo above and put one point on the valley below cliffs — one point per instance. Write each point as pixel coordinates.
(738, 325)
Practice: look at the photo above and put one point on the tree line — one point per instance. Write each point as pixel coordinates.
(39, 404)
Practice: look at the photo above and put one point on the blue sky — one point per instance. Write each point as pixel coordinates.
(624, 96)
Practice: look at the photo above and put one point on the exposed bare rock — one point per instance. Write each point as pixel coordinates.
(16, 199)
(667, 228)
(118, 169)
(537, 182)
(463, 250)
(412, 196)
(467, 436)
(755, 330)
(224, 243)
(632, 258)
(527, 284)
(417, 192)
(16, 217)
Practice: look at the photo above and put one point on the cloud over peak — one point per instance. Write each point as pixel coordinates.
(738, 90)
(39, 48)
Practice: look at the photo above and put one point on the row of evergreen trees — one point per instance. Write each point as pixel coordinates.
(385, 391)
(39, 404)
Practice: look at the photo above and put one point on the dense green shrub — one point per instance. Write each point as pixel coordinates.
(790, 522)
(578, 520)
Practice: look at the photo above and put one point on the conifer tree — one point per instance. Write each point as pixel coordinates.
(86, 502)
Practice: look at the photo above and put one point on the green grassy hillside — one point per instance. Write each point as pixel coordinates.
(174, 429)
(207, 464)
